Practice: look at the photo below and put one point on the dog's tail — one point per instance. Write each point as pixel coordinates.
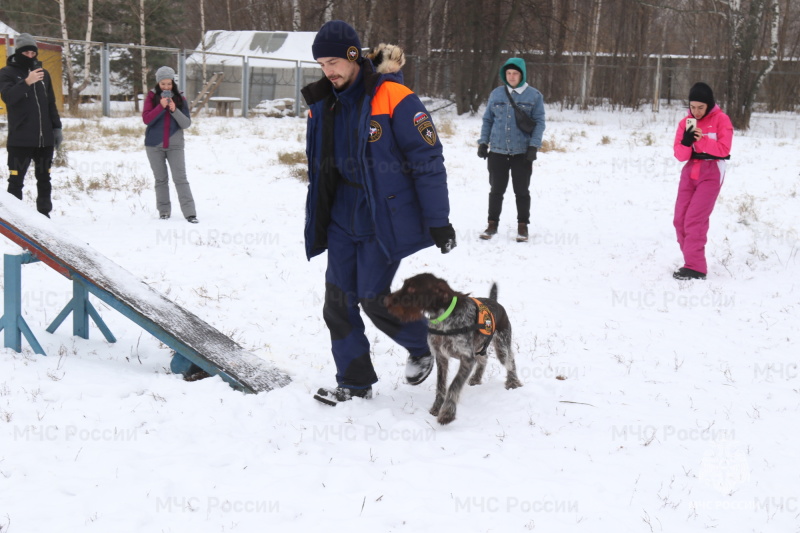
(493, 292)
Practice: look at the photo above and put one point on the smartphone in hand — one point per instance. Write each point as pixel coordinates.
(691, 123)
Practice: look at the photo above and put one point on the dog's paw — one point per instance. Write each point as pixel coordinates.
(474, 381)
(513, 383)
(434, 411)
(447, 414)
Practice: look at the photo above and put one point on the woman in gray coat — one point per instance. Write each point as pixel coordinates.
(166, 114)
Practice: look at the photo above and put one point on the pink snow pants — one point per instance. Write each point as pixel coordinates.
(701, 181)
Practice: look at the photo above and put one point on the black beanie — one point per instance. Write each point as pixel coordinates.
(513, 67)
(701, 92)
(337, 39)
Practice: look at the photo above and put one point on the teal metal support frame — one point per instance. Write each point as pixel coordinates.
(13, 323)
(81, 309)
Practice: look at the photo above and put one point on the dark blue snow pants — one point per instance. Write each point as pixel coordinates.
(360, 274)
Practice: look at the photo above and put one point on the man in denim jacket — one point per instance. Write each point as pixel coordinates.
(507, 147)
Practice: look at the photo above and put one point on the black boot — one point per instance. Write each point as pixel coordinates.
(684, 273)
(418, 368)
(335, 396)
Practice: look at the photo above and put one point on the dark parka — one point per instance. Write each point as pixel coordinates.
(32, 111)
(400, 164)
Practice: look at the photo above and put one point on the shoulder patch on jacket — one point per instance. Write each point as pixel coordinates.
(428, 132)
(388, 95)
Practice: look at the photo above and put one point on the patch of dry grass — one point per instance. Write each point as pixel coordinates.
(550, 145)
(292, 158)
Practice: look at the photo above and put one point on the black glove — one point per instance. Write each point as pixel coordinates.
(444, 237)
(688, 137)
(483, 151)
(58, 137)
(530, 155)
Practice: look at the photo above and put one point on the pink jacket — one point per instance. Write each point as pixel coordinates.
(716, 140)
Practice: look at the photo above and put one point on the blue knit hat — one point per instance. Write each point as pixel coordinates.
(337, 39)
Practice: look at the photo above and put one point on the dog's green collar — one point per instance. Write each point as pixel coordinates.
(446, 314)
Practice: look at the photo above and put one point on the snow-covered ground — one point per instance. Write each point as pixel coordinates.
(649, 404)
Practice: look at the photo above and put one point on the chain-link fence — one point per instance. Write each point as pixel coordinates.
(214, 83)
(231, 84)
(624, 81)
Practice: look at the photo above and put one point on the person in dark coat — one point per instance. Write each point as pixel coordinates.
(34, 125)
(377, 193)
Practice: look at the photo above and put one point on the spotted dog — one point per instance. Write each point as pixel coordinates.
(460, 327)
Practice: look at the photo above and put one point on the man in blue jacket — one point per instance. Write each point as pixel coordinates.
(34, 126)
(377, 193)
(508, 147)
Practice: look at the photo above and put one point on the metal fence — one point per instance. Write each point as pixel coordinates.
(623, 81)
(250, 85)
(253, 85)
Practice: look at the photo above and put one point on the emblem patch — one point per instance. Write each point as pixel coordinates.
(427, 132)
(420, 117)
(352, 53)
(375, 131)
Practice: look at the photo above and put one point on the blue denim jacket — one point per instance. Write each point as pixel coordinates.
(500, 129)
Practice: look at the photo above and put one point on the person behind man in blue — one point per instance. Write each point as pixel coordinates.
(377, 193)
(508, 147)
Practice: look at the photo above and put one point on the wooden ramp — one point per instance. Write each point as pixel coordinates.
(176, 327)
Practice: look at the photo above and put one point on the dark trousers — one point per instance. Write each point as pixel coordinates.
(359, 274)
(499, 167)
(19, 159)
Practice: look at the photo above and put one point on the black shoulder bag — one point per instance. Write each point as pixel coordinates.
(524, 122)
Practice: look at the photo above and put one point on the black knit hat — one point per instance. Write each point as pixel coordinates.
(513, 67)
(701, 92)
(337, 39)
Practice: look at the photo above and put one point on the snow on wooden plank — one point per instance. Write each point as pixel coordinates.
(72, 257)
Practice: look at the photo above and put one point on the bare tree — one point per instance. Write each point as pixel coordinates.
(203, 40)
(143, 42)
(592, 60)
(745, 70)
(749, 33)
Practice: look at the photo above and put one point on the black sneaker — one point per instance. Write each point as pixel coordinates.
(164, 217)
(418, 368)
(684, 273)
(192, 220)
(341, 394)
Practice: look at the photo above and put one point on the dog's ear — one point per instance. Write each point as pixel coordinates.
(443, 290)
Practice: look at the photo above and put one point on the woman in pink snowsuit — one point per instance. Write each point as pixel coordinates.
(705, 148)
